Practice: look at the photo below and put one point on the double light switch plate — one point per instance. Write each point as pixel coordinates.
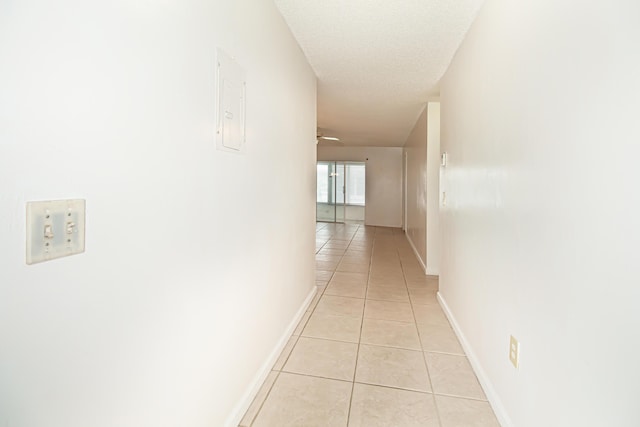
(55, 229)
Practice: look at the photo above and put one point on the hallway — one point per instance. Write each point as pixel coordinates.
(374, 347)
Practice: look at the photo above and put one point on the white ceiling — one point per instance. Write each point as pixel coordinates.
(377, 61)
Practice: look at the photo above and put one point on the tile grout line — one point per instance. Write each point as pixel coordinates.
(266, 396)
(381, 241)
(278, 372)
(424, 358)
(361, 319)
(355, 369)
(297, 337)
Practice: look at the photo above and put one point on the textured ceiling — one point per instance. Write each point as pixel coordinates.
(377, 61)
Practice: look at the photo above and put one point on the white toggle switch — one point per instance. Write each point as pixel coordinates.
(54, 229)
(48, 231)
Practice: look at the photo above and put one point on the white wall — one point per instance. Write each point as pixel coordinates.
(542, 224)
(433, 188)
(383, 186)
(415, 150)
(422, 151)
(185, 289)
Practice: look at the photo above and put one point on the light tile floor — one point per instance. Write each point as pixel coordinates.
(374, 348)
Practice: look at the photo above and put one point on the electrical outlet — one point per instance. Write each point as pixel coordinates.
(514, 352)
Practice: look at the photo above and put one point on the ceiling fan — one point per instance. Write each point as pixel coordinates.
(320, 135)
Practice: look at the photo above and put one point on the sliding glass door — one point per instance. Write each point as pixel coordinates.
(330, 192)
(340, 193)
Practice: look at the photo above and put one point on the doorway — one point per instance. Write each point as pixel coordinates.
(340, 194)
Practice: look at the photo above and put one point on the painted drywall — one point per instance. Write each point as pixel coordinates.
(422, 163)
(383, 182)
(415, 151)
(433, 188)
(542, 222)
(185, 289)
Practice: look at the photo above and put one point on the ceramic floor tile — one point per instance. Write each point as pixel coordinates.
(361, 245)
(337, 244)
(410, 263)
(360, 248)
(258, 400)
(328, 258)
(331, 251)
(397, 283)
(352, 268)
(392, 367)
(383, 269)
(388, 310)
(298, 400)
(386, 257)
(385, 264)
(333, 327)
(385, 261)
(340, 306)
(439, 339)
(452, 375)
(323, 358)
(386, 248)
(350, 277)
(326, 265)
(363, 241)
(384, 231)
(384, 293)
(412, 268)
(323, 275)
(284, 355)
(430, 314)
(423, 296)
(354, 290)
(384, 245)
(356, 259)
(423, 284)
(374, 406)
(455, 412)
(302, 323)
(314, 301)
(385, 272)
(414, 272)
(391, 334)
(366, 276)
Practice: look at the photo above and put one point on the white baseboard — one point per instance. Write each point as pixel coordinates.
(247, 398)
(415, 251)
(487, 386)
